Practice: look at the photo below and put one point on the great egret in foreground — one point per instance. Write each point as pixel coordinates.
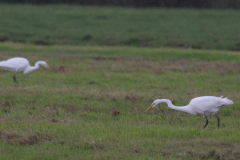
(203, 106)
(18, 64)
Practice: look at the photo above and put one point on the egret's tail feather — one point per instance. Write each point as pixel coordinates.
(227, 101)
(2, 63)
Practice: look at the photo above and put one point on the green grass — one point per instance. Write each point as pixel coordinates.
(112, 26)
(91, 106)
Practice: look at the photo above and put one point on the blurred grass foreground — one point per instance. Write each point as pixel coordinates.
(116, 26)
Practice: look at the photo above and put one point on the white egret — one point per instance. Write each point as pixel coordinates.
(18, 64)
(202, 106)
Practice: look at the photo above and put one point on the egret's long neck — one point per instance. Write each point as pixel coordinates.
(30, 68)
(179, 108)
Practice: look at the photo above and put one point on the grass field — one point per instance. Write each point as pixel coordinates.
(112, 26)
(91, 106)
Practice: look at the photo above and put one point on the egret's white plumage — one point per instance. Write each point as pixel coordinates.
(203, 106)
(18, 64)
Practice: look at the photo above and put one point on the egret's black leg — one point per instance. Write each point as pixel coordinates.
(206, 122)
(218, 120)
(14, 78)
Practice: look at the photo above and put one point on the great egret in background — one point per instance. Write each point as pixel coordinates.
(18, 64)
(203, 106)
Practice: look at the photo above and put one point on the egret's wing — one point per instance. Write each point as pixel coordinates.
(209, 104)
(14, 64)
(208, 107)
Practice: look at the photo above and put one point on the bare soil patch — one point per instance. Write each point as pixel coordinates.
(14, 138)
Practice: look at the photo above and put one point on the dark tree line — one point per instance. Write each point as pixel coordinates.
(141, 3)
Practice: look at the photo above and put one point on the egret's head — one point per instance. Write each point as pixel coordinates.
(43, 63)
(157, 101)
(153, 105)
